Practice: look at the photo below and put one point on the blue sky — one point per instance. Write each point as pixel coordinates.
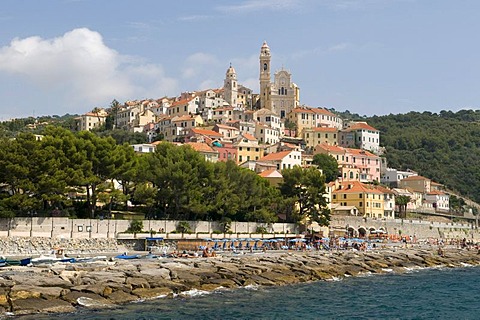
(366, 56)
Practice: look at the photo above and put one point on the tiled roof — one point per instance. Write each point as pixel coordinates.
(201, 147)
(359, 152)
(268, 173)
(331, 148)
(436, 192)
(302, 110)
(357, 187)
(221, 126)
(360, 125)
(249, 136)
(323, 111)
(206, 132)
(181, 102)
(275, 156)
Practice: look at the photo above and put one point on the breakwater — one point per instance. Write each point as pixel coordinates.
(61, 288)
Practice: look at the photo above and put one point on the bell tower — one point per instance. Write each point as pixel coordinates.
(265, 101)
(230, 88)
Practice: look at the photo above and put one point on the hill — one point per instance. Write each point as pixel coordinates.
(444, 147)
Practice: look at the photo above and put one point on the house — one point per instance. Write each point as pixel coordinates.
(266, 134)
(302, 118)
(226, 150)
(248, 148)
(388, 202)
(227, 132)
(439, 200)
(143, 148)
(318, 135)
(416, 183)
(325, 118)
(202, 135)
(283, 159)
(205, 150)
(392, 177)
(90, 120)
(367, 198)
(360, 135)
(183, 107)
(366, 162)
(222, 114)
(273, 176)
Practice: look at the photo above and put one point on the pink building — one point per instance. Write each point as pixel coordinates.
(226, 151)
(367, 163)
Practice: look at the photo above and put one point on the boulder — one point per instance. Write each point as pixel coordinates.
(156, 273)
(152, 293)
(118, 297)
(86, 299)
(38, 305)
(137, 283)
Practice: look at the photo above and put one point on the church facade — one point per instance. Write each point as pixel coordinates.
(280, 96)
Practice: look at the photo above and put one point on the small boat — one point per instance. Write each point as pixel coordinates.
(125, 256)
(57, 255)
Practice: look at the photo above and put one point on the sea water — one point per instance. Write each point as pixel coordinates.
(439, 293)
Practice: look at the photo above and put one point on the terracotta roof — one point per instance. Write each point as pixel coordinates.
(275, 156)
(267, 173)
(181, 102)
(323, 111)
(94, 114)
(331, 148)
(382, 189)
(223, 109)
(183, 118)
(302, 110)
(357, 187)
(436, 192)
(206, 132)
(221, 126)
(360, 152)
(249, 136)
(360, 125)
(201, 147)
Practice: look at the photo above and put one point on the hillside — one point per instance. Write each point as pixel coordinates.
(444, 147)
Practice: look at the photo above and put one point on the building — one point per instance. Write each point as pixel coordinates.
(318, 135)
(205, 150)
(416, 183)
(91, 120)
(248, 148)
(284, 159)
(281, 95)
(439, 200)
(366, 198)
(360, 135)
(392, 177)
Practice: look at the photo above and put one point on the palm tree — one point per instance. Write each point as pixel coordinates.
(402, 202)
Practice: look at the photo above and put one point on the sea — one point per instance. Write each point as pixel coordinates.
(438, 293)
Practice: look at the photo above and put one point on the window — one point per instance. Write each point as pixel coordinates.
(334, 196)
(344, 196)
(360, 204)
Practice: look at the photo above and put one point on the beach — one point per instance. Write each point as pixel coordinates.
(60, 288)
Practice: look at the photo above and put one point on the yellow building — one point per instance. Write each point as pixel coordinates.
(248, 148)
(315, 136)
(367, 198)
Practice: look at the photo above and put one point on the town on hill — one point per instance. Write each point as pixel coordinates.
(304, 163)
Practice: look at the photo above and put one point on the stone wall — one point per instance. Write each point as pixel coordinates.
(403, 227)
(65, 228)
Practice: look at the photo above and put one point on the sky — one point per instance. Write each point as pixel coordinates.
(371, 57)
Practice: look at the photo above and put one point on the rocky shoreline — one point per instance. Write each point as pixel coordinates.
(64, 287)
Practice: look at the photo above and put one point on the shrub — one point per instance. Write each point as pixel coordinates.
(136, 226)
(261, 230)
(184, 227)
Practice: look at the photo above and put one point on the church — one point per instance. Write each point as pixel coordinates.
(280, 96)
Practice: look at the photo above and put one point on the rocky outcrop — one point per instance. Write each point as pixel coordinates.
(26, 290)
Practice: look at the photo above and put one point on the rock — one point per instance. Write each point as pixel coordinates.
(136, 283)
(40, 280)
(35, 305)
(157, 273)
(86, 299)
(152, 293)
(118, 297)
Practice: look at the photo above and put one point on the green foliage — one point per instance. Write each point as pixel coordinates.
(328, 164)
(136, 226)
(444, 147)
(307, 188)
(183, 227)
(261, 230)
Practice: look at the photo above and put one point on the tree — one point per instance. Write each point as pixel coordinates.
(307, 188)
(402, 202)
(328, 164)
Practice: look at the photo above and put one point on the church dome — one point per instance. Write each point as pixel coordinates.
(231, 70)
(265, 47)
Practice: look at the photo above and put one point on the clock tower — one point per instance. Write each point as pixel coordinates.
(265, 76)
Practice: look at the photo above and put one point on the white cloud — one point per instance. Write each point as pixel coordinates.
(256, 5)
(194, 18)
(82, 68)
